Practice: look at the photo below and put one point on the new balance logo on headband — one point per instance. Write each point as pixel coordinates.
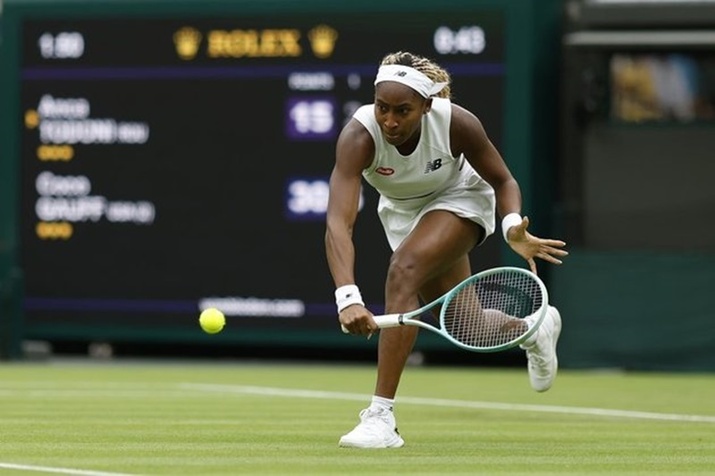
(433, 165)
(408, 76)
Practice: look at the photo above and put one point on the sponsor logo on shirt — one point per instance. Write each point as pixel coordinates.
(433, 165)
(385, 171)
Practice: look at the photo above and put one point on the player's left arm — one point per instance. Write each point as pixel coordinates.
(468, 137)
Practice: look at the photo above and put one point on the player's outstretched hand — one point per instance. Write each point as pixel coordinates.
(529, 246)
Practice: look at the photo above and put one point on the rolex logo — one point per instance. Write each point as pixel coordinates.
(187, 41)
(322, 40)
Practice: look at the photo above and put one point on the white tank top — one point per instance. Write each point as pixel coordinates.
(428, 169)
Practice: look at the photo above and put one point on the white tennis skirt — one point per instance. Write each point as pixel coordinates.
(471, 197)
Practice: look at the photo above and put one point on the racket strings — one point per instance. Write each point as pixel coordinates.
(490, 312)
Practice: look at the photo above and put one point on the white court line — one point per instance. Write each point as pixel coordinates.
(439, 402)
(49, 469)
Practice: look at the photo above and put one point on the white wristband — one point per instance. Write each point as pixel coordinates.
(510, 220)
(347, 296)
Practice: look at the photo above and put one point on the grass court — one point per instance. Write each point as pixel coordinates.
(231, 418)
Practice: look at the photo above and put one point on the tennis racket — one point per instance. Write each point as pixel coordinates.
(493, 310)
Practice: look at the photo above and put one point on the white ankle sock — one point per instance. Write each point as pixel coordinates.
(382, 402)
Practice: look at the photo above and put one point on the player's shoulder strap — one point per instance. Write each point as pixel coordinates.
(365, 115)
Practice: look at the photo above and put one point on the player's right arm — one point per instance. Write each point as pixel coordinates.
(354, 152)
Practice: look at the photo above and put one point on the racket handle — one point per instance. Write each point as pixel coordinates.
(388, 320)
(384, 321)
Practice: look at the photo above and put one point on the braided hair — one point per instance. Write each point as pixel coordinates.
(425, 66)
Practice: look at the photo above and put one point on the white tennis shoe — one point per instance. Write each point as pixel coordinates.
(541, 351)
(377, 429)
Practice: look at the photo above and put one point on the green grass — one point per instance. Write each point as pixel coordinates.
(203, 419)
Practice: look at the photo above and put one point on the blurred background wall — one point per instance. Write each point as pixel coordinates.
(160, 157)
(636, 163)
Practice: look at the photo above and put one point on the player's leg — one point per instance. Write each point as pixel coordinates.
(446, 281)
(540, 348)
(433, 257)
(427, 257)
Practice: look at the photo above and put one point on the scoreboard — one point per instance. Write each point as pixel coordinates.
(174, 161)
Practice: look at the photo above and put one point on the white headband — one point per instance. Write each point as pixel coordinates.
(409, 77)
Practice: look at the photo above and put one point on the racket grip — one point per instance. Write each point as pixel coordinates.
(384, 321)
(388, 320)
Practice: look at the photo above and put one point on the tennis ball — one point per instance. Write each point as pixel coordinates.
(212, 320)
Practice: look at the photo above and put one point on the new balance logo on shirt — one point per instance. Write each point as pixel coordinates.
(433, 165)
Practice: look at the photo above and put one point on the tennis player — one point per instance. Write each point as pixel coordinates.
(441, 183)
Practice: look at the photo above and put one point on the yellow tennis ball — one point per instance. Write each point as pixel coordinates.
(212, 320)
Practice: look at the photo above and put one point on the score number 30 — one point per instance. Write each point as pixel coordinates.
(307, 199)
